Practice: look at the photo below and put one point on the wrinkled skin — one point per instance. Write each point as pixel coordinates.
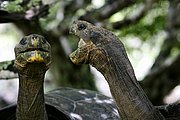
(33, 57)
(103, 50)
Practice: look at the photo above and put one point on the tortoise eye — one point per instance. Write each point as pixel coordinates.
(23, 41)
(81, 26)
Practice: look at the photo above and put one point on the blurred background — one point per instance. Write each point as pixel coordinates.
(149, 29)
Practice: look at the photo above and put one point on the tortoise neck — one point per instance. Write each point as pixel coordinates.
(30, 104)
(131, 100)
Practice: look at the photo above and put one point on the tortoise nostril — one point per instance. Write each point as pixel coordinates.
(71, 30)
(34, 37)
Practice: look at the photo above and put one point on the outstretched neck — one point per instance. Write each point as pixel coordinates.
(131, 100)
(30, 104)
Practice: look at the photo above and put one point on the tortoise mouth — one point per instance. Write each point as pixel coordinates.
(34, 49)
(81, 42)
(33, 55)
(82, 53)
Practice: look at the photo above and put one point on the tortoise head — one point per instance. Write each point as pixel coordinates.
(32, 50)
(90, 44)
(87, 32)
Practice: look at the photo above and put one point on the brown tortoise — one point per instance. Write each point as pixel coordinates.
(33, 58)
(103, 50)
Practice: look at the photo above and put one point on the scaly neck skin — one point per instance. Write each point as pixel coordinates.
(30, 105)
(131, 100)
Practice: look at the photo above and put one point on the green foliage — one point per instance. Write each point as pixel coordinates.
(33, 3)
(149, 25)
(14, 6)
(17, 5)
(4, 65)
(145, 31)
(51, 18)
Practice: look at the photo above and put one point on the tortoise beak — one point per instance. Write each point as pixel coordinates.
(34, 41)
(72, 30)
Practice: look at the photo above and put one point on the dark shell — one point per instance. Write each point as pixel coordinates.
(73, 104)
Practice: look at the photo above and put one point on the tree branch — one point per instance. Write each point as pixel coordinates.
(164, 79)
(106, 11)
(32, 14)
(110, 9)
(7, 70)
(8, 77)
(171, 39)
(8, 66)
(136, 18)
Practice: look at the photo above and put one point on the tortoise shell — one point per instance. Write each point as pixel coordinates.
(73, 104)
